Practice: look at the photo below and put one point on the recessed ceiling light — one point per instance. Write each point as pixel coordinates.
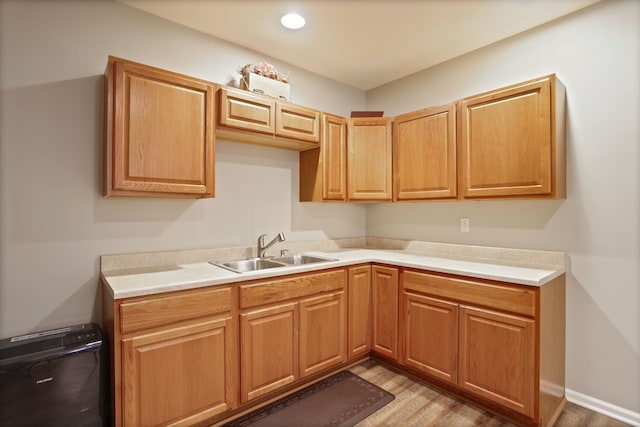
(292, 21)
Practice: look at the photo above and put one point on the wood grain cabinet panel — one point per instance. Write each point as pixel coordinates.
(244, 110)
(269, 349)
(178, 375)
(359, 311)
(322, 333)
(160, 139)
(323, 171)
(248, 117)
(512, 141)
(503, 343)
(294, 121)
(384, 291)
(424, 154)
(369, 159)
(431, 336)
(497, 358)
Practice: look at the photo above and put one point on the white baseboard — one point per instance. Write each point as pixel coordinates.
(602, 407)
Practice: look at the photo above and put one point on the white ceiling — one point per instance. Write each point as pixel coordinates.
(363, 43)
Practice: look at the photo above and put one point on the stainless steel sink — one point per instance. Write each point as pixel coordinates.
(255, 264)
(251, 264)
(298, 259)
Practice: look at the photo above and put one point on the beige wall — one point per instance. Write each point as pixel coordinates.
(54, 221)
(596, 54)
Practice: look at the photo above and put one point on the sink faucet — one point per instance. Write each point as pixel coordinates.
(262, 248)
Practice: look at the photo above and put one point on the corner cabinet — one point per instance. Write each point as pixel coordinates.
(248, 117)
(359, 311)
(174, 357)
(424, 154)
(384, 296)
(513, 141)
(369, 159)
(160, 133)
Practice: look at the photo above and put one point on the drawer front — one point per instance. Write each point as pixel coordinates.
(267, 292)
(297, 122)
(157, 311)
(513, 298)
(242, 110)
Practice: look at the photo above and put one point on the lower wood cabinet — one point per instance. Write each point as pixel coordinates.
(193, 357)
(269, 349)
(173, 356)
(359, 311)
(430, 336)
(497, 357)
(176, 375)
(501, 343)
(322, 332)
(384, 294)
(301, 332)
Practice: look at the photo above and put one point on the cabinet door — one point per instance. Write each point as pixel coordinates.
(293, 121)
(243, 110)
(431, 336)
(178, 375)
(424, 154)
(497, 358)
(334, 158)
(359, 311)
(160, 133)
(507, 141)
(369, 159)
(323, 171)
(322, 333)
(384, 289)
(269, 349)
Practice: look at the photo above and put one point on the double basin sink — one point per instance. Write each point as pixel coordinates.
(256, 264)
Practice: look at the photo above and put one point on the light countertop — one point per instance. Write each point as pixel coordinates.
(130, 282)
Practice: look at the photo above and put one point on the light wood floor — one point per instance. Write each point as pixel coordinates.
(417, 405)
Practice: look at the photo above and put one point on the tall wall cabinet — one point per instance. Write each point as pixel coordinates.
(160, 133)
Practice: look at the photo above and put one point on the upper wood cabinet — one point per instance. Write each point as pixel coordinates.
(513, 141)
(248, 117)
(159, 133)
(424, 154)
(369, 158)
(323, 171)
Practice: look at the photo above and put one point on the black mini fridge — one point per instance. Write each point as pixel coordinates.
(53, 378)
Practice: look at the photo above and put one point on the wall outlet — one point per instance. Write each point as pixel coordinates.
(464, 225)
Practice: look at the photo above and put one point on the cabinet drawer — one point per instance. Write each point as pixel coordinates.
(297, 122)
(489, 294)
(157, 311)
(242, 110)
(267, 292)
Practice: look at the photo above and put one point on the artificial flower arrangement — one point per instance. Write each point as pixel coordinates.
(263, 78)
(264, 69)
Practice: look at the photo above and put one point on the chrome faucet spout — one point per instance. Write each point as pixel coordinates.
(262, 248)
